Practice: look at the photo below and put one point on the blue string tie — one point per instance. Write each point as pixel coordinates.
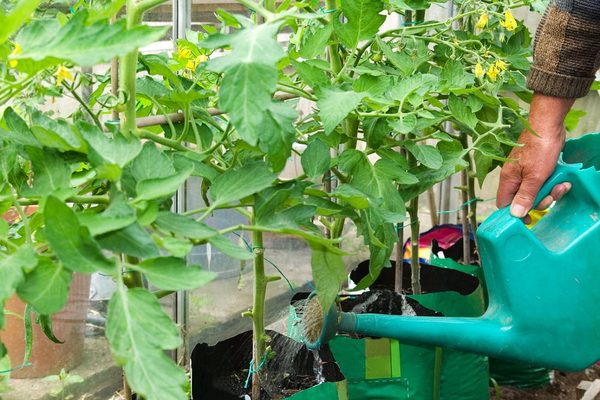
(326, 11)
(252, 371)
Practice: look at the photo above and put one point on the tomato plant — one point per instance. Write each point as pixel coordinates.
(393, 113)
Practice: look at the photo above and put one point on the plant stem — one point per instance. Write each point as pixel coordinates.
(258, 309)
(473, 208)
(415, 267)
(83, 104)
(332, 49)
(413, 212)
(464, 214)
(399, 272)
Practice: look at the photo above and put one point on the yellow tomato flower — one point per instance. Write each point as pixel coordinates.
(192, 64)
(183, 53)
(16, 50)
(509, 21)
(63, 73)
(482, 22)
(479, 72)
(493, 72)
(501, 65)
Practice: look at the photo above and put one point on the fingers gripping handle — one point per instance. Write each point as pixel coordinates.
(562, 173)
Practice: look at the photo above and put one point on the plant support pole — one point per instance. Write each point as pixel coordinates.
(464, 212)
(258, 311)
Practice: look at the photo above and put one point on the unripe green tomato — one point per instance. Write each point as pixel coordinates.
(376, 57)
(128, 279)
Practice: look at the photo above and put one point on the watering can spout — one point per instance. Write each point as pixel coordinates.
(480, 335)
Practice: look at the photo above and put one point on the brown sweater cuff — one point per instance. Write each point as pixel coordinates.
(557, 85)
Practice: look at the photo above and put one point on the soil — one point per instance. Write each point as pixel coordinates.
(220, 371)
(563, 387)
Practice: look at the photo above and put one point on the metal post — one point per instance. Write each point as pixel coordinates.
(182, 18)
(182, 11)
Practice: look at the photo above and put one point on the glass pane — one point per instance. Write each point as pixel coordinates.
(203, 11)
(161, 16)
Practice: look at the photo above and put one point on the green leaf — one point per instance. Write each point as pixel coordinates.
(117, 149)
(72, 242)
(132, 240)
(353, 196)
(404, 124)
(174, 246)
(118, 215)
(18, 132)
(407, 60)
(572, 119)
(376, 130)
(45, 323)
(292, 217)
(314, 41)
(11, 269)
(412, 88)
(396, 172)
(151, 163)
(47, 43)
(138, 331)
(310, 73)
(256, 44)
(461, 111)
(453, 161)
(375, 86)
(235, 184)
(170, 273)
(335, 105)
(278, 134)
(316, 159)
(21, 12)
(250, 76)
(184, 226)
(453, 76)
(245, 95)
(230, 249)
(46, 287)
(378, 186)
(328, 273)
(149, 189)
(56, 133)
(363, 18)
(427, 155)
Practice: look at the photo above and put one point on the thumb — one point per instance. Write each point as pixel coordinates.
(525, 197)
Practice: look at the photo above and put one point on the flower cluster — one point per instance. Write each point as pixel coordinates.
(191, 62)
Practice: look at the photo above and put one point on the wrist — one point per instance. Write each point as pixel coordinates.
(547, 115)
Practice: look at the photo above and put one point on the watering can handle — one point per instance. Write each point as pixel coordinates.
(562, 173)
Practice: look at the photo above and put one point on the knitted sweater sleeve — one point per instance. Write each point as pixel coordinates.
(566, 49)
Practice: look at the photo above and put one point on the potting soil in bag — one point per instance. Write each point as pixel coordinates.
(221, 372)
(381, 368)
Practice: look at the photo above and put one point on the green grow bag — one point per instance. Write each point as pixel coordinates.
(382, 369)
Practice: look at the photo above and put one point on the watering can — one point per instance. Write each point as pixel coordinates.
(543, 282)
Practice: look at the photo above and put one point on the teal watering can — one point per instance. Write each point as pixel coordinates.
(543, 282)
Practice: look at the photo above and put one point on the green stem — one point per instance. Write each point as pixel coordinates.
(72, 199)
(282, 87)
(257, 8)
(258, 311)
(413, 212)
(464, 213)
(332, 49)
(83, 104)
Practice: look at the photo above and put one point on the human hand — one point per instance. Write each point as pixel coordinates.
(533, 162)
(529, 167)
